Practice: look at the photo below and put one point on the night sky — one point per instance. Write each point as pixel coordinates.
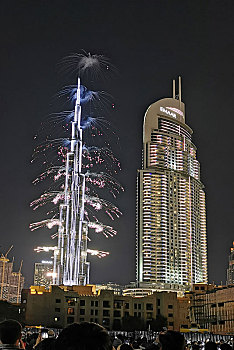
(150, 43)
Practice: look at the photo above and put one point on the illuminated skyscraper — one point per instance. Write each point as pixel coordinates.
(230, 270)
(171, 210)
(11, 283)
(43, 274)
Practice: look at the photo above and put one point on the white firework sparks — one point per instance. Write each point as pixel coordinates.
(86, 63)
(99, 253)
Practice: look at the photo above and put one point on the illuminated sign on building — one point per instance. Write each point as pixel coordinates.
(164, 110)
(178, 111)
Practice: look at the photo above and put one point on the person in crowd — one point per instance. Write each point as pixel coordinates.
(172, 340)
(46, 344)
(32, 340)
(195, 346)
(125, 347)
(51, 334)
(211, 345)
(117, 341)
(225, 346)
(83, 336)
(10, 335)
(153, 346)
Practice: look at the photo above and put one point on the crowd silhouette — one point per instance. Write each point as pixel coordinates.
(92, 336)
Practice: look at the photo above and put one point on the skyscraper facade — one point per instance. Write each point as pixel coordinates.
(11, 283)
(171, 209)
(43, 274)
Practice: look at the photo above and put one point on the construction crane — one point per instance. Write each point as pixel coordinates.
(4, 260)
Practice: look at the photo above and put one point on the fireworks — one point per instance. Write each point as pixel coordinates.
(48, 197)
(56, 172)
(99, 204)
(74, 169)
(86, 64)
(49, 223)
(45, 249)
(103, 180)
(99, 253)
(107, 231)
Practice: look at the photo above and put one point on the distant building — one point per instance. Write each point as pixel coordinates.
(143, 289)
(171, 208)
(117, 288)
(62, 305)
(212, 308)
(11, 283)
(43, 274)
(230, 269)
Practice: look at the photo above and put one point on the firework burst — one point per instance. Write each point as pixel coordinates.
(86, 65)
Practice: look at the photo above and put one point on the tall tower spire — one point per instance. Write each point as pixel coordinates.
(77, 194)
(70, 264)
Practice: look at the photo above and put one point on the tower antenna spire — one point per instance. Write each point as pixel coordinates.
(180, 90)
(173, 88)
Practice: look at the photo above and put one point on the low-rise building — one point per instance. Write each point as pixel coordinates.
(10, 311)
(213, 309)
(62, 305)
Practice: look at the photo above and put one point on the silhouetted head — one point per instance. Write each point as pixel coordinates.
(46, 344)
(225, 346)
(152, 346)
(172, 340)
(10, 332)
(84, 336)
(210, 345)
(195, 346)
(125, 347)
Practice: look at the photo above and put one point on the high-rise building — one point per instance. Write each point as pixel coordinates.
(11, 283)
(171, 209)
(43, 274)
(230, 269)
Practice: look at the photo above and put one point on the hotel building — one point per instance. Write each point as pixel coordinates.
(171, 210)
